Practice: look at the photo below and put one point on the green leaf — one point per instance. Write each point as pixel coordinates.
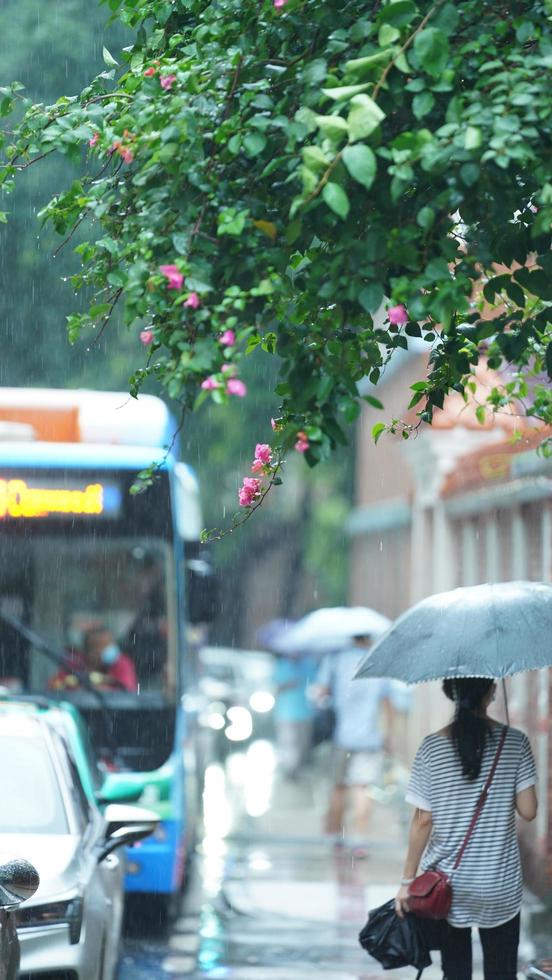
(315, 159)
(344, 91)
(336, 199)
(253, 144)
(425, 218)
(431, 48)
(361, 163)
(371, 297)
(372, 62)
(374, 402)
(377, 430)
(422, 104)
(481, 414)
(108, 58)
(334, 127)
(472, 138)
(399, 13)
(364, 117)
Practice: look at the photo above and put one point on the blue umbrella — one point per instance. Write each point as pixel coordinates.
(478, 631)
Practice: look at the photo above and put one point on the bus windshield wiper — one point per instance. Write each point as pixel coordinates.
(60, 658)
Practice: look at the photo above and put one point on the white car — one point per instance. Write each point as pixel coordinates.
(71, 927)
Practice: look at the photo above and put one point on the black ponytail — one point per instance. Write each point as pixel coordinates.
(469, 730)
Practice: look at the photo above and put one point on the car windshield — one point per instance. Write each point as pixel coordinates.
(31, 801)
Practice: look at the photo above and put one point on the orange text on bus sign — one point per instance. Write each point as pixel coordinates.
(19, 500)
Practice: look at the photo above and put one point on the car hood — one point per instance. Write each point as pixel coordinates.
(55, 857)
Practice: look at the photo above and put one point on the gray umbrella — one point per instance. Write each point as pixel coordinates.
(478, 631)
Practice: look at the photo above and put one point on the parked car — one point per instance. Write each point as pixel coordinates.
(18, 882)
(71, 927)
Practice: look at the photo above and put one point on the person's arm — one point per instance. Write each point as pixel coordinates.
(526, 803)
(526, 777)
(420, 832)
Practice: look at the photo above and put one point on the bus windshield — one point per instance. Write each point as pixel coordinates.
(102, 601)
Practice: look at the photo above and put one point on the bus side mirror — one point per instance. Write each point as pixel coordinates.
(201, 586)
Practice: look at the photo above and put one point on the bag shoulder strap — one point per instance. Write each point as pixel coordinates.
(482, 799)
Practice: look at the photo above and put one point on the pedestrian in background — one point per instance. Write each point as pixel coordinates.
(293, 712)
(448, 776)
(363, 713)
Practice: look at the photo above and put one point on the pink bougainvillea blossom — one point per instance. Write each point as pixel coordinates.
(228, 338)
(278, 4)
(249, 491)
(210, 384)
(302, 443)
(146, 336)
(167, 82)
(193, 302)
(127, 154)
(263, 452)
(173, 275)
(150, 72)
(257, 466)
(236, 387)
(94, 139)
(397, 315)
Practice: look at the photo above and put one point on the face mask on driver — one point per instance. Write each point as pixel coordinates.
(110, 654)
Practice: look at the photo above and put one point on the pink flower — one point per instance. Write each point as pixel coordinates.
(127, 155)
(210, 384)
(193, 302)
(228, 338)
(174, 277)
(146, 336)
(236, 387)
(167, 81)
(228, 368)
(263, 453)
(94, 139)
(397, 315)
(257, 466)
(302, 443)
(278, 4)
(249, 490)
(149, 72)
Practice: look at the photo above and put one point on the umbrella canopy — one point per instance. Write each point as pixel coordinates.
(270, 635)
(331, 628)
(478, 631)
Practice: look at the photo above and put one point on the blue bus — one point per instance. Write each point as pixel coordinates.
(81, 554)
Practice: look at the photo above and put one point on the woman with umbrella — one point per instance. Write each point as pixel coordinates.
(458, 828)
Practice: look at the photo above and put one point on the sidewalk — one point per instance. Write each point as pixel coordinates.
(289, 871)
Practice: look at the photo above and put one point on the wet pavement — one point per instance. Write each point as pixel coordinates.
(271, 898)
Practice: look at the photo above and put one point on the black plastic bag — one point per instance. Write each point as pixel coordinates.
(323, 725)
(394, 941)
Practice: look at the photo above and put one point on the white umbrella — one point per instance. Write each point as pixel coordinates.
(331, 629)
(492, 630)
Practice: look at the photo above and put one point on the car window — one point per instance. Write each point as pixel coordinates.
(79, 799)
(30, 801)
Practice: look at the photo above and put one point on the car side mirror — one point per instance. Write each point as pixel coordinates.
(18, 881)
(126, 825)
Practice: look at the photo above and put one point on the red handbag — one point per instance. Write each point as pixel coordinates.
(430, 894)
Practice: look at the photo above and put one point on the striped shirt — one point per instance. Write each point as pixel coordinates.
(487, 887)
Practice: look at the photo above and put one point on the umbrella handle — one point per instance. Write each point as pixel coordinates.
(505, 696)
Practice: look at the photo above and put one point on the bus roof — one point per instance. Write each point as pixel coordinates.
(81, 416)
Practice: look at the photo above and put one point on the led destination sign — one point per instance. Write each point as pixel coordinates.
(19, 500)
